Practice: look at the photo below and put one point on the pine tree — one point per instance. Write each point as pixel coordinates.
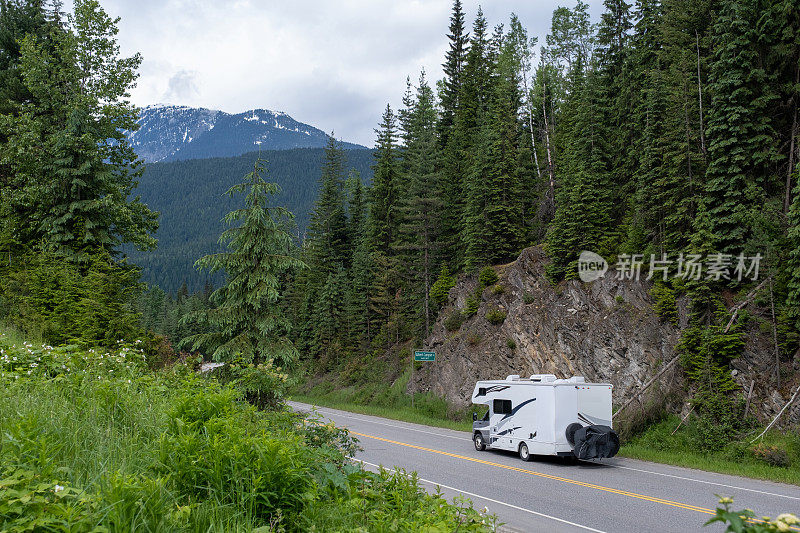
(248, 321)
(356, 209)
(451, 138)
(359, 311)
(644, 225)
(469, 141)
(741, 138)
(327, 232)
(73, 164)
(383, 209)
(495, 223)
(329, 316)
(584, 200)
(617, 97)
(453, 66)
(523, 51)
(793, 264)
(418, 241)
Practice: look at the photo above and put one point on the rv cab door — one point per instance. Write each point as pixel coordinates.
(500, 423)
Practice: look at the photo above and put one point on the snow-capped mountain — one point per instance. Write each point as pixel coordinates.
(173, 133)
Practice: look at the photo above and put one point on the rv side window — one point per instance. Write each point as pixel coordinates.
(482, 391)
(502, 407)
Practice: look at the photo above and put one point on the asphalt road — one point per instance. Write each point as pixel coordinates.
(550, 494)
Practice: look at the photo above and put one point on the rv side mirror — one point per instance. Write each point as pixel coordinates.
(474, 416)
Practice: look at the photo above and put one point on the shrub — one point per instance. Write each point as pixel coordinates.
(173, 451)
(495, 316)
(772, 455)
(473, 338)
(718, 422)
(487, 276)
(140, 503)
(263, 385)
(27, 361)
(70, 303)
(498, 288)
(215, 454)
(392, 501)
(664, 302)
(528, 297)
(471, 306)
(511, 343)
(441, 287)
(453, 321)
(159, 351)
(30, 503)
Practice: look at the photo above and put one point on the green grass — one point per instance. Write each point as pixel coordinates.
(690, 459)
(655, 444)
(11, 336)
(658, 444)
(389, 402)
(93, 439)
(404, 414)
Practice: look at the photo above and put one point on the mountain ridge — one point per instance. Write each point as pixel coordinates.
(176, 133)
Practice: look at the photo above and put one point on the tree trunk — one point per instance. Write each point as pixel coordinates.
(700, 98)
(530, 124)
(427, 284)
(551, 171)
(787, 199)
(775, 338)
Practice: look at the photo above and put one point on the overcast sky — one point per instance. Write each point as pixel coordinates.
(332, 64)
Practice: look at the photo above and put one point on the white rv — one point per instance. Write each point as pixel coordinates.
(542, 415)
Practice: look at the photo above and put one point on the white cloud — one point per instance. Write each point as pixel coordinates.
(182, 86)
(332, 64)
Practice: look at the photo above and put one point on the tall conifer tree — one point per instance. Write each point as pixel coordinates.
(248, 321)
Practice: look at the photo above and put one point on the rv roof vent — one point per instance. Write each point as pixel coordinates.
(577, 379)
(513, 377)
(544, 378)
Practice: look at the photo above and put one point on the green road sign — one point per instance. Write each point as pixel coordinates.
(424, 356)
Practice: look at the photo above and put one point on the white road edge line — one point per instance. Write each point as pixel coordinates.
(495, 501)
(709, 482)
(340, 413)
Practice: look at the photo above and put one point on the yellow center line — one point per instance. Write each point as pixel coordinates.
(555, 478)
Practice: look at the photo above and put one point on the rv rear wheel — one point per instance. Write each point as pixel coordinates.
(477, 438)
(524, 454)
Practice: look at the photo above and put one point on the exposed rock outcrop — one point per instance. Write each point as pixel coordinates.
(606, 331)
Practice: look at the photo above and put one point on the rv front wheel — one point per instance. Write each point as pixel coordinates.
(524, 454)
(477, 438)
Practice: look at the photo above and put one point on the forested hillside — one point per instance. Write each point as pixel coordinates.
(669, 128)
(189, 197)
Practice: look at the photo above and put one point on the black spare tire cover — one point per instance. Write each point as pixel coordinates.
(594, 442)
(570, 433)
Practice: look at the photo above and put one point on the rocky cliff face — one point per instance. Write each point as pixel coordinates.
(606, 331)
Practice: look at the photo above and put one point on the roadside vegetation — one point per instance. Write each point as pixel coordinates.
(95, 439)
(366, 396)
(776, 457)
